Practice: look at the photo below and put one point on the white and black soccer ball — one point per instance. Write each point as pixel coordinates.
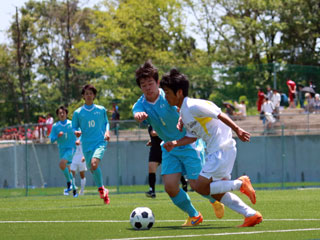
(142, 218)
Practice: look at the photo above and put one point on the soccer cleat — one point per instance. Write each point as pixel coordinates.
(66, 191)
(193, 221)
(104, 194)
(247, 188)
(81, 192)
(218, 208)
(151, 194)
(75, 194)
(253, 220)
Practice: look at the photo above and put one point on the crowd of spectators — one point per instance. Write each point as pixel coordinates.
(38, 131)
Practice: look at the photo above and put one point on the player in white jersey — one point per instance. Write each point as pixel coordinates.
(203, 119)
(79, 165)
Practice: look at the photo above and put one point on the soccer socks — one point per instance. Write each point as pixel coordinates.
(83, 183)
(152, 181)
(223, 186)
(209, 197)
(67, 174)
(97, 175)
(183, 202)
(235, 203)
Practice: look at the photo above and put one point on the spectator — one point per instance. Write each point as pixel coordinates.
(242, 110)
(311, 103)
(41, 125)
(276, 99)
(114, 117)
(317, 103)
(229, 110)
(312, 86)
(292, 92)
(269, 92)
(49, 123)
(260, 99)
(268, 108)
(300, 95)
(284, 100)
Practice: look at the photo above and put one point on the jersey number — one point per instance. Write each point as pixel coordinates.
(91, 123)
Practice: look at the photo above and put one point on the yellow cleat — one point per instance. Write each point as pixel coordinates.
(218, 208)
(193, 221)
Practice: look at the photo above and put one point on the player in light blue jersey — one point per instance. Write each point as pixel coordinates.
(153, 108)
(93, 123)
(63, 133)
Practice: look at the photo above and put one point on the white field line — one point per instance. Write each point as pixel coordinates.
(126, 221)
(220, 234)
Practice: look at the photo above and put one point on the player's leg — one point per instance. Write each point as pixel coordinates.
(171, 174)
(83, 181)
(66, 173)
(152, 178)
(192, 165)
(69, 156)
(97, 174)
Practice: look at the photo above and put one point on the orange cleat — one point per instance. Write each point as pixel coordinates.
(247, 188)
(253, 220)
(218, 208)
(104, 194)
(193, 221)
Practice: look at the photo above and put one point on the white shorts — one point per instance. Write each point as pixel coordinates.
(219, 164)
(270, 118)
(78, 167)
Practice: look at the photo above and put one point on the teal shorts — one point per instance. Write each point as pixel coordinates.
(98, 152)
(185, 160)
(67, 154)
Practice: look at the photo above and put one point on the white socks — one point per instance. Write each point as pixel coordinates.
(236, 204)
(83, 183)
(223, 186)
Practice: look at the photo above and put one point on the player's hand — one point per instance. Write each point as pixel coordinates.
(107, 136)
(140, 116)
(78, 142)
(149, 143)
(169, 145)
(77, 133)
(243, 135)
(60, 134)
(180, 124)
(83, 159)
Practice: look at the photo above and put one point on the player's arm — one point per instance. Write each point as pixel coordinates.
(242, 134)
(181, 142)
(139, 113)
(53, 135)
(75, 125)
(107, 132)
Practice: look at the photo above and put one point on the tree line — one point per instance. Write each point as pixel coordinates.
(56, 46)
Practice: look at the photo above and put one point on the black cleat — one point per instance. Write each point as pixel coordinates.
(151, 194)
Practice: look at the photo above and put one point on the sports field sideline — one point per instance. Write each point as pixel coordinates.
(288, 214)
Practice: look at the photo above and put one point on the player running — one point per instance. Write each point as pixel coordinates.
(153, 108)
(203, 119)
(93, 123)
(62, 132)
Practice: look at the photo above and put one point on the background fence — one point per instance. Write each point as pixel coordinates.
(285, 154)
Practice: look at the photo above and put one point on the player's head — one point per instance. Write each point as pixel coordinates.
(176, 87)
(147, 70)
(147, 78)
(62, 113)
(88, 93)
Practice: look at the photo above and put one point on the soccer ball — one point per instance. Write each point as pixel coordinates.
(142, 218)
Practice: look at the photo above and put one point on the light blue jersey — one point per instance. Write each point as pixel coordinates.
(67, 142)
(68, 139)
(164, 118)
(93, 123)
(161, 116)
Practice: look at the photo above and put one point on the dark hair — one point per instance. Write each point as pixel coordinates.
(62, 108)
(175, 81)
(145, 71)
(89, 87)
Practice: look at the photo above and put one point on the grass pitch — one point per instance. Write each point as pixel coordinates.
(288, 214)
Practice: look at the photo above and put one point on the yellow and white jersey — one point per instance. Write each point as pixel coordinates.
(200, 118)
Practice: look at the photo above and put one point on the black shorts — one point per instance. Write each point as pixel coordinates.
(155, 154)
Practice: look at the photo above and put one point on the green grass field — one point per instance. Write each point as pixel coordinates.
(288, 214)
